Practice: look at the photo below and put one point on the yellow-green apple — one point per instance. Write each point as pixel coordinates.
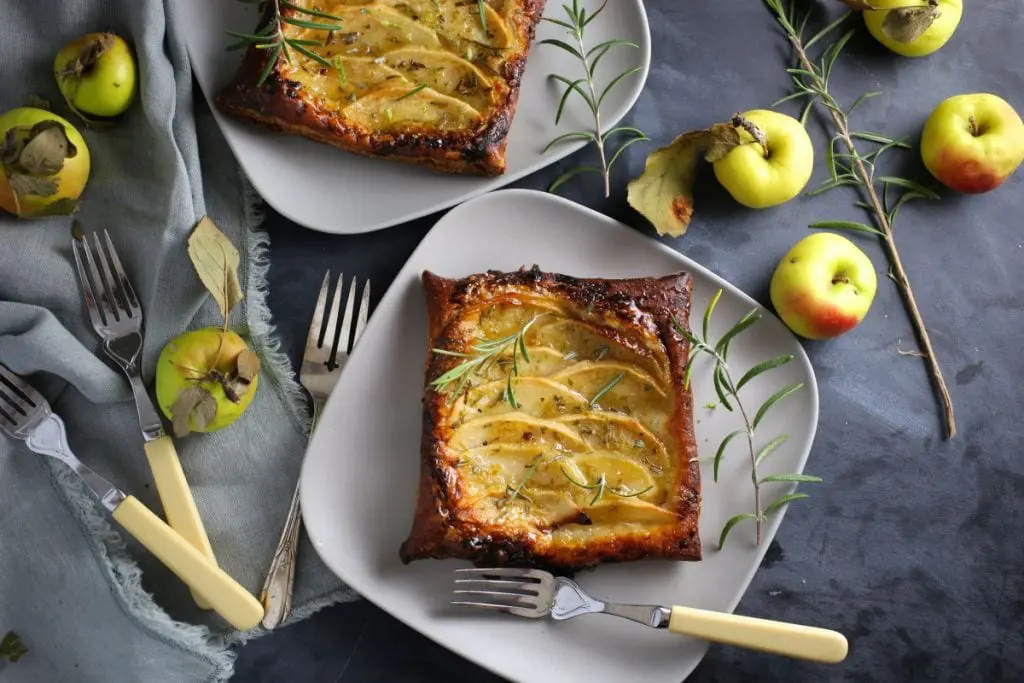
(96, 74)
(44, 163)
(972, 143)
(824, 286)
(763, 175)
(205, 379)
(913, 28)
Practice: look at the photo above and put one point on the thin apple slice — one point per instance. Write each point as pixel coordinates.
(613, 511)
(605, 431)
(537, 396)
(580, 340)
(518, 428)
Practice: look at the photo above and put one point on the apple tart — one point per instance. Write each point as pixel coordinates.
(430, 82)
(558, 426)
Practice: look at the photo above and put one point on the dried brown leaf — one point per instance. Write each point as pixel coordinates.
(907, 24)
(664, 191)
(216, 261)
(248, 366)
(194, 405)
(45, 150)
(24, 185)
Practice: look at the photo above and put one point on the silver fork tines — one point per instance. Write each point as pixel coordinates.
(328, 346)
(115, 311)
(21, 406)
(523, 592)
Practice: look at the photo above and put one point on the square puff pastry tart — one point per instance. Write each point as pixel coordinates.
(429, 82)
(591, 457)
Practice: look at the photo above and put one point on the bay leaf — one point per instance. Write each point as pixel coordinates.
(45, 151)
(194, 405)
(216, 262)
(907, 24)
(248, 366)
(663, 193)
(24, 185)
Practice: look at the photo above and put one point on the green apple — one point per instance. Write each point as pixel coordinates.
(972, 143)
(205, 365)
(96, 74)
(913, 28)
(824, 286)
(760, 176)
(44, 163)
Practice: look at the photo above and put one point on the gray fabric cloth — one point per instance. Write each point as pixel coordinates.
(88, 602)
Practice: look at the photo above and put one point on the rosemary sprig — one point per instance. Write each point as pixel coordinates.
(728, 392)
(517, 490)
(578, 20)
(271, 36)
(601, 487)
(482, 354)
(852, 168)
(606, 388)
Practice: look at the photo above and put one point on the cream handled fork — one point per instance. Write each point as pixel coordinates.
(536, 594)
(116, 316)
(321, 367)
(26, 415)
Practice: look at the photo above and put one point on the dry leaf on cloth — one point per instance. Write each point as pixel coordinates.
(216, 261)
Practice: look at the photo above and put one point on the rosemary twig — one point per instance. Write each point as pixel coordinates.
(728, 391)
(272, 38)
(811, 79)
(601, 487)
(482, 354)
(586, 89)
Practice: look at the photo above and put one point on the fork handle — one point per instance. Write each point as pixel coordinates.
(179, 505)
(777, 637)
(227, 597)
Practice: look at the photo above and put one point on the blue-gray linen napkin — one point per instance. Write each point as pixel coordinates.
(88, 602)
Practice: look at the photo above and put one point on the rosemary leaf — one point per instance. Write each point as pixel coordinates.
(802, 478)
(707, 314)
(303, 23)
(570, 174)
(769, 448)
(606, 388)
(825, 31)
(860, 100)
(761, 368)
(571, 87)
(566, 137)
(310, 11)
(717, 376)
(910, 185)
(302, 49)
(792, 96)
(615, 81)
(623, 147)
(412, 92)
(847, 225)
(563, 45)
(783, 500)
(517, 492)
(773, 399)
(722, 347)
(733, 521)
(269, 66)
(720, 453)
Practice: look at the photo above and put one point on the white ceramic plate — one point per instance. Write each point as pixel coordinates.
(360, 473)
(328, 190)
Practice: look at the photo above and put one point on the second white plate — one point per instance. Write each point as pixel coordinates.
(361, 471)
(329, 190)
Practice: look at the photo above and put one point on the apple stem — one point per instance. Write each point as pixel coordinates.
(746, 124)
(882, 219)
(975, 131)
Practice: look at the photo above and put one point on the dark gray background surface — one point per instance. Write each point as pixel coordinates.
(913, 546)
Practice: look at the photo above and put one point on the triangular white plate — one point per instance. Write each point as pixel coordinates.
(360, 473)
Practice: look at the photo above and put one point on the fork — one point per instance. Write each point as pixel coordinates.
(116, 315)
(535, 594)
(321, 366)
(25, 415)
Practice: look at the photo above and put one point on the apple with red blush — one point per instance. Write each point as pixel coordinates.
(824, 286)
(973, 143)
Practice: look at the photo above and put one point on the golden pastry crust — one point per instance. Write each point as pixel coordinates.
(414, 81)
(516, 482)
